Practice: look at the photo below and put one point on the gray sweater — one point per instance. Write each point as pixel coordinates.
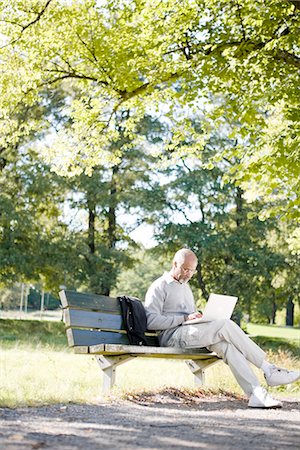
(167, 302)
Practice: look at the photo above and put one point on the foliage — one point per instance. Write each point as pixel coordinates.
(136, 280)
(32, 237)
(107, 87)
(236, 251)
(38, 241)
(10, 297)
(105, 196)
(236, 61)
(32, 244)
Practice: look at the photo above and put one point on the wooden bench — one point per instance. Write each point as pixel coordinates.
(94, 326)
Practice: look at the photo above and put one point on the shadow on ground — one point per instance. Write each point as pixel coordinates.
(188, 398)
(168, 419)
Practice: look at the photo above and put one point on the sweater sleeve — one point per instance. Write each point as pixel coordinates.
(156, 320)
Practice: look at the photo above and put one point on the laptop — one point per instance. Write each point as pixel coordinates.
(218, 307)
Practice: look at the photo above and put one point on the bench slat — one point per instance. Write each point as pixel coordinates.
(111, 322)
(166, 352)
(95, 302)
(92, 319)
(82, 350)
(77, 337)
(92, 337)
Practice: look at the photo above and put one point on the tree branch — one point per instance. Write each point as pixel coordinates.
(296, 3)
(70, 75)
(185, 165)
(240, 19)
(287, 57)
(39, 15)
(278, 54)
(210, 48)
(24, 27)
(128, 95)
(176, 208)
(88, 48)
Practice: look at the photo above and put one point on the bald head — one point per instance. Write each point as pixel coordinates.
(184, 265)
(183, 254)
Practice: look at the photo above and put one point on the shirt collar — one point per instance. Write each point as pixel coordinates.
(168, 278)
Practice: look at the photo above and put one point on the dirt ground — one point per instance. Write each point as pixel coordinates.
(169, 419)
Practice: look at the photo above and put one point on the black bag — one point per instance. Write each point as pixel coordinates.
(135, 320)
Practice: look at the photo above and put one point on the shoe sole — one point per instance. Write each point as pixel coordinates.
(281, 384)
(266, 407)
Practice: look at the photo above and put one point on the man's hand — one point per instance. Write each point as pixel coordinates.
(196, 315)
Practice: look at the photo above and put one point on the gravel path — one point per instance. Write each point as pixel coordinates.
(165, 420)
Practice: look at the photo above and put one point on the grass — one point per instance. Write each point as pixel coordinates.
(49, 333)
(37, 367)
(274, 331)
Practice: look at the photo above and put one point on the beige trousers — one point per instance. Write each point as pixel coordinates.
(229, 342)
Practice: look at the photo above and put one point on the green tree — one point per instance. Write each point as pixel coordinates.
(240, 58)
(145, 269)
(213, 219)
(285, 281)
(33, 239)
(109, 192)
(32, 236)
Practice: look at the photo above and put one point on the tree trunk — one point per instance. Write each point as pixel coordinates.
(290, 306)
(249, 309)
(239, 206)
(111, 231)
(201, 282)
(93, 279)
(273, 313)
(91, 230)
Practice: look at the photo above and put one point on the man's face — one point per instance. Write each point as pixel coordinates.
(183, 272)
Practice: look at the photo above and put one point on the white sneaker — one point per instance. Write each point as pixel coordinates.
(278, 376)
(261, 399)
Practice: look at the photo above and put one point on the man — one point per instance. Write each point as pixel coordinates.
(169, 302)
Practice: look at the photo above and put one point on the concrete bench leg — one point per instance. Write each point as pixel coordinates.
(108, 365)
(198, 368)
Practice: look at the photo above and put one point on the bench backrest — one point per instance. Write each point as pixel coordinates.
(92, 319)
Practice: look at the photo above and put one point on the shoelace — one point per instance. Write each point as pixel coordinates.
(267, 396)
(262, 393)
